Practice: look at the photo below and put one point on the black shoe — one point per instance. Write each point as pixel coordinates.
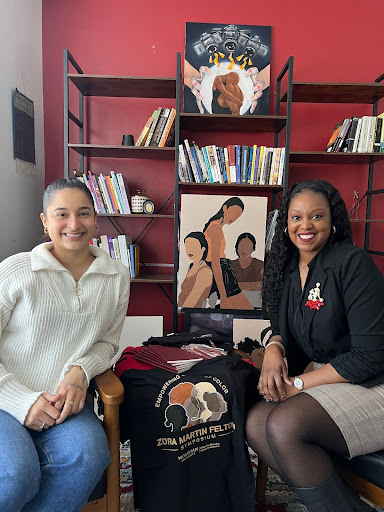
(332, 496)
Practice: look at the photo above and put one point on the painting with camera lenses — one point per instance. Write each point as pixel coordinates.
(221, 259)
(227, 69)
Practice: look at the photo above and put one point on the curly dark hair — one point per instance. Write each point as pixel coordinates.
(282, 247)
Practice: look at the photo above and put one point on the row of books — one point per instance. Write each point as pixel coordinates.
(254, 165)
(121, 249)
(109, 193)
(358, 135)
(270, 231)
(159, 130)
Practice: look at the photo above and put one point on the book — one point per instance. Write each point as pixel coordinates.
(152, 127)
(191, 161)
(238, 162)
(144, 132)
(208, 165)
(222, 163)
(191, 177)
(124, 192)
(260, 165)
(255, 176)
(372, 131)
(116, 249)
(158, 132)
(103, 189)
(363, 138)
(212, 163)
(228, 171)
(340, 138)
(232, 162)
(357, 135)
(350, 137)
(95, 186)
(281, 167)
(112, 197)
(382, 133)
(244, 164)
(377, 136)
(250, 163)
(117, 191)
(104, 243)
(333, 136)
(90, 186)
(111, 248)
(217, 164)
(167, 129)
(253, 164)
(201, 161)
(124, 242)
(198, 169)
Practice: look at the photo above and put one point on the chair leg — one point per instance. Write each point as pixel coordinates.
(112, 430)
(261, 481)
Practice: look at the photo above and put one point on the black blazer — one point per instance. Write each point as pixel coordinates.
(348, 331)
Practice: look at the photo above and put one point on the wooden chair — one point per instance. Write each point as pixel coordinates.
(111, 393)
(365, 474)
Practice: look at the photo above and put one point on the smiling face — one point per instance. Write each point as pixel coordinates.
(309, 223)
(193, 249)
(232, 213)
(70, 220)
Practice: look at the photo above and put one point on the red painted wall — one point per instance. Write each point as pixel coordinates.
(331, 41)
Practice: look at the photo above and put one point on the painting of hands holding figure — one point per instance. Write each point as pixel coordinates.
(221, 257)
(227, 69)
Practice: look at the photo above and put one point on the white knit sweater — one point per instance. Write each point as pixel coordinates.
(48, 323)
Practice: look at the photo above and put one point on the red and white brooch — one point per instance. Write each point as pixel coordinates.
(314, 300)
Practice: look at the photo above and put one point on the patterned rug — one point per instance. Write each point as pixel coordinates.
(279, 497)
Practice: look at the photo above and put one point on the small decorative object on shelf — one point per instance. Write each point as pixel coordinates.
(137, 201)
(148, 206)
(354, 213)
(127, 140)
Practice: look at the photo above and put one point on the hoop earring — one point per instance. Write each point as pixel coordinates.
(286, 231)
(333, 229)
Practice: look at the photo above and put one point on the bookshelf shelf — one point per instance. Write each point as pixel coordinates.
(124, 86)
(321, 157)
(330, 92)
(226, 185)
(138, 215)
(336, 92)
(100, 150)
(229, 123)
(153, 278)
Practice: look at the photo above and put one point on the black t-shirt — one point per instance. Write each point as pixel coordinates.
(187, 436)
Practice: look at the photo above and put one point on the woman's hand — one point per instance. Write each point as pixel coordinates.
(43, 413)
(73, 389)
(274, 382)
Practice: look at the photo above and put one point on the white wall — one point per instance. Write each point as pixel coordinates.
(21, 67)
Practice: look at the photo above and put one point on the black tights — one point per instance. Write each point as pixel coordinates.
(294, 438)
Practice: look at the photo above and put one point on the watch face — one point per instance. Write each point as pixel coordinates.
(148, 207)
(298, 383)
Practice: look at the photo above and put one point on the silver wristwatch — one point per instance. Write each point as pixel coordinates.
(298, 383)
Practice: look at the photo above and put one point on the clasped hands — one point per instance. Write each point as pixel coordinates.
(50, 410)
(274, 384)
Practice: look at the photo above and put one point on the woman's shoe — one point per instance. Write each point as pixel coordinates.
(332, 496)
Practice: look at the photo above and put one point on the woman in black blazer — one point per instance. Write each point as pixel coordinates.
(325, 299)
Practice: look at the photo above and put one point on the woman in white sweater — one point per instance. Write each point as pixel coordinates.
(62, 308)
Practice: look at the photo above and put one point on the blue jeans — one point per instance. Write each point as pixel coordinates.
(54, 470)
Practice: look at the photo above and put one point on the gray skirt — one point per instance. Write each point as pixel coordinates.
(357, 411)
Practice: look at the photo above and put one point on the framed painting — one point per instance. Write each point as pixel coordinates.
(221, 257)
(227, 69)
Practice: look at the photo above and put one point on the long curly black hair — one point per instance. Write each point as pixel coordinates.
(282, 247)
